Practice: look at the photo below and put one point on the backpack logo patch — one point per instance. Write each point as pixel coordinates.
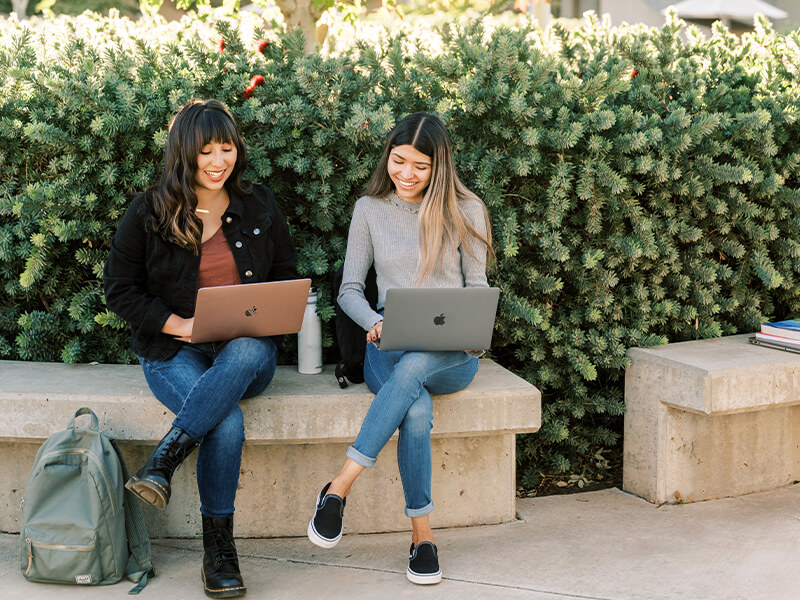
(84, 579)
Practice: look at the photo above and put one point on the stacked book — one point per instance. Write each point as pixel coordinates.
(781, 333)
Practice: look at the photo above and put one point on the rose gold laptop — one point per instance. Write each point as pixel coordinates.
(249, 310)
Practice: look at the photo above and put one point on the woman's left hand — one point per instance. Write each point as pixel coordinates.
(374, 333)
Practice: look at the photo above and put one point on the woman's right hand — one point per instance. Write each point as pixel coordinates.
(374, 333)
(179, 328)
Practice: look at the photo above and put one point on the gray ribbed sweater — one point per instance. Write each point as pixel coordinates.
(384, 231)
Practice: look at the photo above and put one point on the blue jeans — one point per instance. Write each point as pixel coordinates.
(202, 385)
(403, 383)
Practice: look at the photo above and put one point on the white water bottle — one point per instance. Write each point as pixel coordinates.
(309, 338)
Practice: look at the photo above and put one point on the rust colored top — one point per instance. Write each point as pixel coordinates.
(217, 266)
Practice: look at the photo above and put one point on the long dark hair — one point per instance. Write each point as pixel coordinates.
(440, 218)
(172, 202)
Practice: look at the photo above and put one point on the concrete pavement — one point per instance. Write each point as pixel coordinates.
(595, 545)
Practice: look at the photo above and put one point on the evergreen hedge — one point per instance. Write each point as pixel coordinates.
(643, 183)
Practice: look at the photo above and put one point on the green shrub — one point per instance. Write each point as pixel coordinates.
(643, 187)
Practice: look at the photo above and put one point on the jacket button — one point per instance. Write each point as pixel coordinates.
(228, 219)
(238, 244)
(248, 273)
(256, 231)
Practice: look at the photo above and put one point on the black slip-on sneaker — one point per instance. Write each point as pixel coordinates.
(325, 527)
(423, 564)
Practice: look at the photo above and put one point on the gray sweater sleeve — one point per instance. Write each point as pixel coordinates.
(358, 259)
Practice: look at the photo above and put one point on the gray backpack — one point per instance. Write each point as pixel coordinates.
(79, 524)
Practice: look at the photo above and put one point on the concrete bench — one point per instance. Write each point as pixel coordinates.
(709, 419)
(297, 434)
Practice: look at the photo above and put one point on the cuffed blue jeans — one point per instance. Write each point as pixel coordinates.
(403, 383)
(202, 385)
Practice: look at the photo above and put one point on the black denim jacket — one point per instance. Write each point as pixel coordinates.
(147, 278)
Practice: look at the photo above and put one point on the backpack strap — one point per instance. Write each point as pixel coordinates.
(140, 562)
(93, 426)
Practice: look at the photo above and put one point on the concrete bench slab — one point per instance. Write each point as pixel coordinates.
(297, 434)
(710, 418)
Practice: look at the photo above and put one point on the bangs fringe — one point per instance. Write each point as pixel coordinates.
(214, 126)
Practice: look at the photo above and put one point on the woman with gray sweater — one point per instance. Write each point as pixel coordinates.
(419, 226)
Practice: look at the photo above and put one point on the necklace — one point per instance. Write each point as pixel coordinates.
(411, 207)
(206, 211)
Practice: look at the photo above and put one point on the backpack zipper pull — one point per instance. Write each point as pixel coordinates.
(30, 555)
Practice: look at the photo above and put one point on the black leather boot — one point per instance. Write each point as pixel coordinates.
(152, 482)
(220, 572)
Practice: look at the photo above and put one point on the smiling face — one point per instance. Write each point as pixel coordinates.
(215, 163)
(410, 171)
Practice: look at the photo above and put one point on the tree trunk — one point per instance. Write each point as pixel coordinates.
(20, 7)
(302, 14)
(540, 9)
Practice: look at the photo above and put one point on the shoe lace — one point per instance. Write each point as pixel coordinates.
(172, 457)
(224, 548)
(167, 461)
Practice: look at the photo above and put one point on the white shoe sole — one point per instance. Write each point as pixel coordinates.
(431, 579)
(318, 540)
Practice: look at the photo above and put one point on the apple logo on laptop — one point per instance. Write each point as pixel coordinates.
(250, 312)
(439, 320)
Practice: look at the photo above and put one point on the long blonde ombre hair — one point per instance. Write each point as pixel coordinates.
(441, 221)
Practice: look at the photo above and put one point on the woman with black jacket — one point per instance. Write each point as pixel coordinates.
(200, 226)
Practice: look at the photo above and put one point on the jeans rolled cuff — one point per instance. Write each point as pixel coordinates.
(419, 512)
(361, 459)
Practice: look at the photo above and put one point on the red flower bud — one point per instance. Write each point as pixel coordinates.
(255, 81)
(634, 73)
(262, 45)
(221, 45)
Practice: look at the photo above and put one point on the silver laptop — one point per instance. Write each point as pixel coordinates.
(249, 310)
(439, 318)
